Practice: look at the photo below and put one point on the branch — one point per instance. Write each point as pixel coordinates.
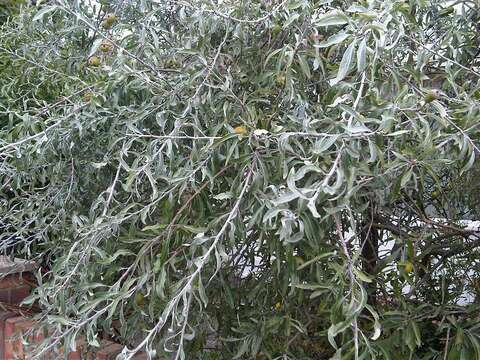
(351, 274)
(44, 132)
(442, 56)
(187, 288)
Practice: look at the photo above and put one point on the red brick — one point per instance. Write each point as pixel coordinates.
(14, 295)
(5, 295)
(77, 355)
(80, 343)
(3, 317)
(39, 335)
(14, 329)
(16, 324)
(141, 356)
(105, 336)
(28, 278)
(109, 351)
(12, 280)
(17, 295)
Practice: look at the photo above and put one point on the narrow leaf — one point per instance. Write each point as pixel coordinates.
(344, 64)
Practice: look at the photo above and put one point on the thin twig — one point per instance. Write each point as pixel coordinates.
(212, 65)
(445, 354)
(187, 288)
(351, 274)
(173, 137)
(112, 187)
(44, 132)
(442, 56)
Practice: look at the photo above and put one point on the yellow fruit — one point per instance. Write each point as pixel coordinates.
(94, 61)
(276, 29)
(278, 306)
(435, 194)
(240, 130)
(299, 260)
(109, 21)
(280, 80)
(87, 96)
(431, 95)
(139, 299)
(408, 267)
(105, 47)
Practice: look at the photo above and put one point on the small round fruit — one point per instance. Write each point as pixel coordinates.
(408, 267)
(435, 194)
(105, 47)
(244, 80)
(278, 306)
(94, 61)
(299, 261)
(139, 299)
(109, 21)
(276, 29)
(280, 80)
(431, 95)
(240, 130)
(88, 96)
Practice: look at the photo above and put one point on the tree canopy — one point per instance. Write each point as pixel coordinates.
(246, 179)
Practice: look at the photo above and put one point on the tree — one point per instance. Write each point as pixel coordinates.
(245, 179)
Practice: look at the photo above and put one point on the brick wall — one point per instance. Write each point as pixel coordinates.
(16, 324)
(14, 288)
(14, 329)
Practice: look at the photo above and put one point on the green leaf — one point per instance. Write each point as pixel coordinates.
(154, 227)
(469, 163)
(335, 17)
(334, 40)
(362, 276)
(44, 11)
(193, 229)
(416, 330)
(344, 64)
(118, 253)
(314, 260)
(406, 177)
(304, 66)
(362, 55)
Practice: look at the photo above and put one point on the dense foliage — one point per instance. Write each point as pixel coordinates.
(246, 179)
